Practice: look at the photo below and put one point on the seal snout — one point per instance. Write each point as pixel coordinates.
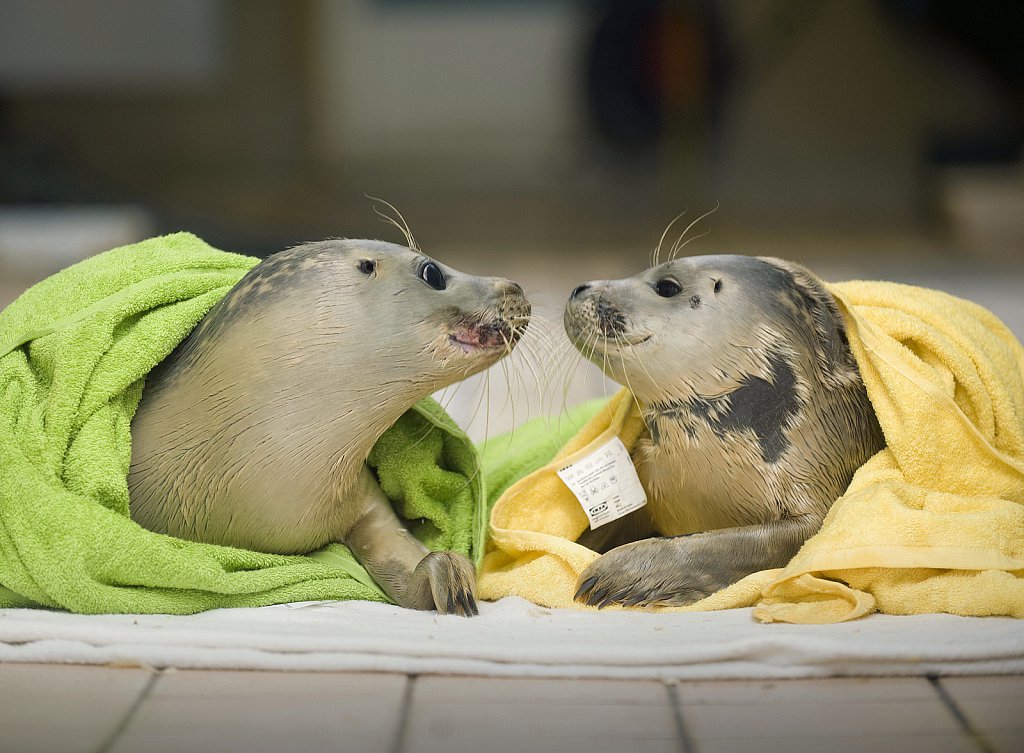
(592, 308)
(513, 311)
(610, 319)
(498, 327)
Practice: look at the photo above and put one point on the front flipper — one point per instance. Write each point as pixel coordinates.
(684, 569)
(445, 581)
(399, 563)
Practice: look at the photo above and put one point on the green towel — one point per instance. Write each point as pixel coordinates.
(74, 353)
(515, 455)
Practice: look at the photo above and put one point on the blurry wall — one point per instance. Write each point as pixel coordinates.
(834, 107)
(466, 91)
(505, 124)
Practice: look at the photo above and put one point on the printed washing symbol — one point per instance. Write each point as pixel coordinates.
(593, 489)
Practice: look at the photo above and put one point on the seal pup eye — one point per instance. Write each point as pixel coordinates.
(367, 266)
(667, 288)
(431, 274)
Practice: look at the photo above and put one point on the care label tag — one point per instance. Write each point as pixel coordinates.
(605, 483)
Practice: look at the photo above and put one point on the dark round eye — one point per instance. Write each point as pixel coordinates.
(431, 274)
(367, 266)
(667, 288)
(718, 286)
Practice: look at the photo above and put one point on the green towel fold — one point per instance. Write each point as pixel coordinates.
(507, 458)
(74, 353)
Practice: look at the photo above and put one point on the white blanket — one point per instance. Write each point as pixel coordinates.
(516, 638)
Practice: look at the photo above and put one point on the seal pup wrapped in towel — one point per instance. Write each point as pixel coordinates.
(756, 420)
(254, 432)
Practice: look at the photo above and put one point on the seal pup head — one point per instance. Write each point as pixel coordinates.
(702, 326)
(365, 313)
(734, 344)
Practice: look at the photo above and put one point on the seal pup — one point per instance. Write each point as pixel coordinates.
(756, 419)
(254, 432)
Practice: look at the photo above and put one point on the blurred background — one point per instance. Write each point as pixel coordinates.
(547, 140)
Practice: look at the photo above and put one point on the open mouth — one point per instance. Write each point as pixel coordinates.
(477, 336)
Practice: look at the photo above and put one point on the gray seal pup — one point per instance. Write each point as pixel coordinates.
(254, 432)
(756, 419)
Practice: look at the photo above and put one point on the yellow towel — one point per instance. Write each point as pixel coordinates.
(933, 523)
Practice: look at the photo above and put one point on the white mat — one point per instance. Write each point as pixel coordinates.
(516, 638)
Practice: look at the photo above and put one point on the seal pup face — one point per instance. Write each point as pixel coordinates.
(702, 327)
(448, 324)
(378, 312)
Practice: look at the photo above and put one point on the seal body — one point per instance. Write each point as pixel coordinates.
(756, 420)
(254, 432)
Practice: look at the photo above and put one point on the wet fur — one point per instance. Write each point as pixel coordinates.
(756, 415)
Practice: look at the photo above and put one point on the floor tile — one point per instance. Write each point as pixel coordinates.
(840, 689)
(253, 712)
(839, 710)
(450, 714)
(992, 706)
(64, 709)
(886, 744)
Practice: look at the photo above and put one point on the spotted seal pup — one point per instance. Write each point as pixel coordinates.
(756, 419)
(254, 432)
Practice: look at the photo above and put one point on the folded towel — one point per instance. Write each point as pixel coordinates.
(74, 353)
(933, 523)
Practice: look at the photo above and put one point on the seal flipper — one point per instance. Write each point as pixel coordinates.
(408, 572)
(683, 569)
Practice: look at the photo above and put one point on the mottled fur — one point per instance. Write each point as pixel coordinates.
(756, 415)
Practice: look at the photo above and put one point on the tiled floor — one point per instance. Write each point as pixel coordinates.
(57, 709)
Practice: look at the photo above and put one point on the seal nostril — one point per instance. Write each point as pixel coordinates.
(580, 290)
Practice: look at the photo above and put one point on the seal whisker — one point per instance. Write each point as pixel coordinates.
(636, 358)
(677, 245)
(604, 369)
(403, 228)
(632, 392)
(568, 367)
(487, 404)
(690, 240)
(538, 328)
(656, 254)
(510, 383)
(541, 356)
(532, 360)
(515, 380)
(483, 401)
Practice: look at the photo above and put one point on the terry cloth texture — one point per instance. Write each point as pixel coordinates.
(932, 523)
(514, 638)
(74, 353)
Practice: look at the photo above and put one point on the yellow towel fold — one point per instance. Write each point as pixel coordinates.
(932, 523)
